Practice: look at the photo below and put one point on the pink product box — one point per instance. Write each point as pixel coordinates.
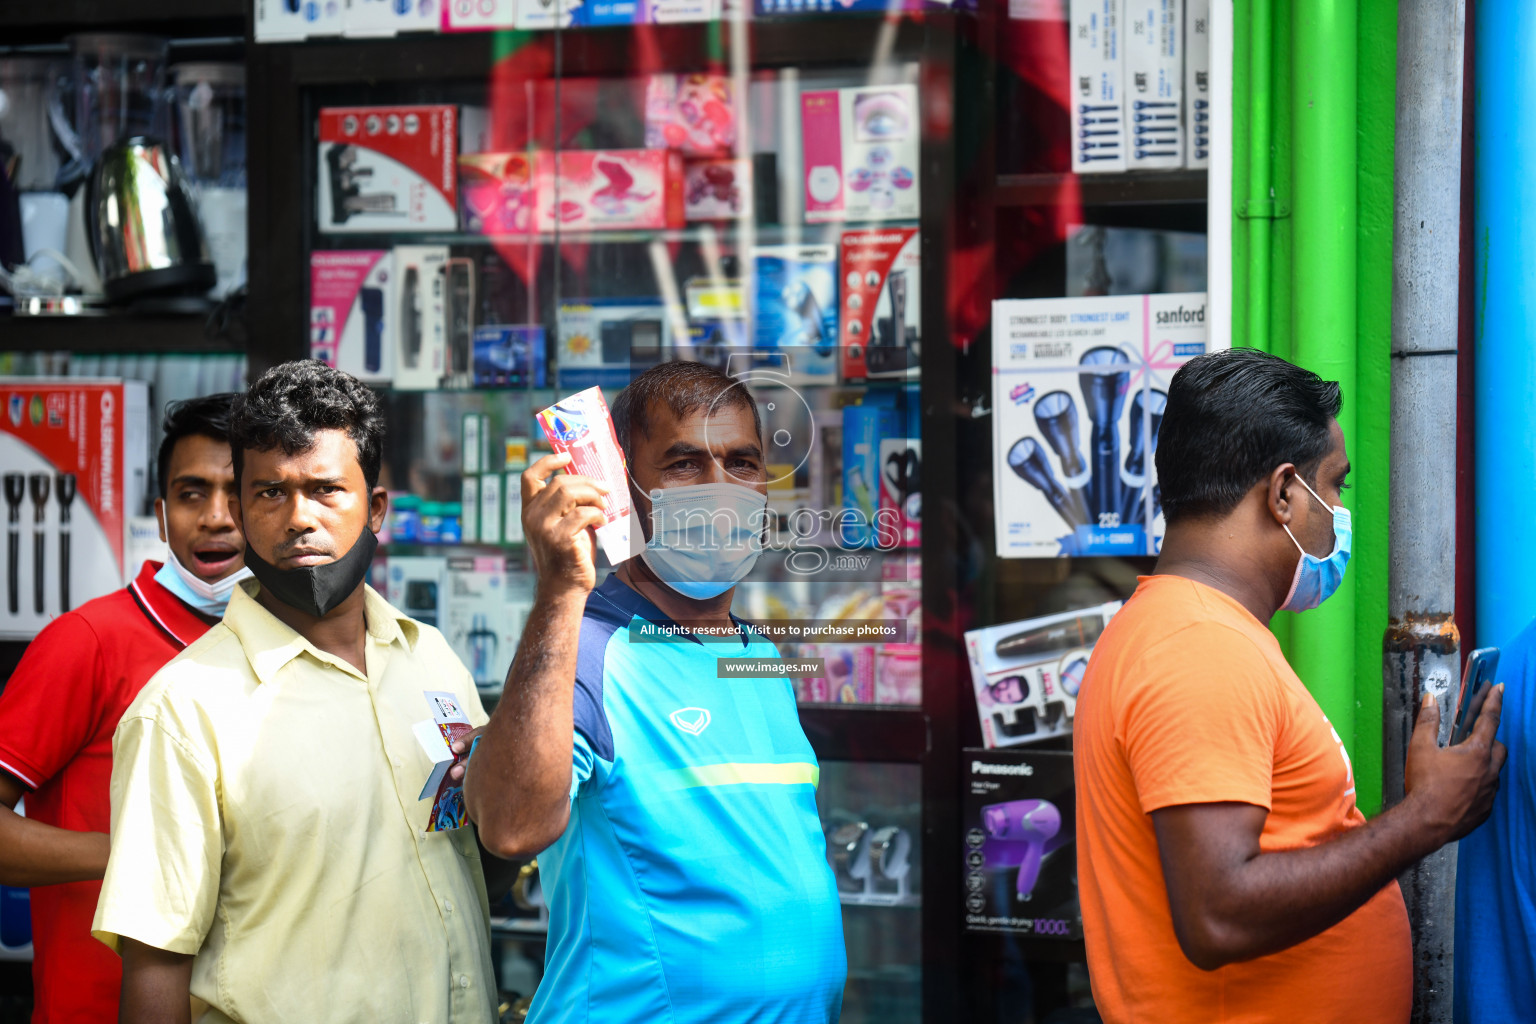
(717, 189)
(693, 114)
(496, 194)
(608, 190)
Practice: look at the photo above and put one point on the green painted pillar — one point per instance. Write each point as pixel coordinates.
(1324, 273)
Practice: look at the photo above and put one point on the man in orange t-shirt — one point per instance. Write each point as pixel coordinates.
(1226, 875)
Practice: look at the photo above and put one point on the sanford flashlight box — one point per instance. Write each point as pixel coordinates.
(354, 311)
(861, 150)
(1019, 844)
(1079, 389)
(388, 169)
(74, 457)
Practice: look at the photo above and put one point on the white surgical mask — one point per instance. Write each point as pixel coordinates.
(209, 598)
(705, 537)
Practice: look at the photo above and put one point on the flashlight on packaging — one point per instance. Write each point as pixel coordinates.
(1056, 636)
(1027, 460)
(372, 300)
(1104, 393)
(65, 484)
(1146, 418)
(15, 494)
(39, 484)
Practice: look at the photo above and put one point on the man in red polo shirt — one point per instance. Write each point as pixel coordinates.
(62, 704)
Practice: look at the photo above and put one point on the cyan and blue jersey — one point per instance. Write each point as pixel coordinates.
(691, 884)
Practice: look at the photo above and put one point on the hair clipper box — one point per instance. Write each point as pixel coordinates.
(388, 169)
(421, 277)
(353, 311)
(881, 303)
(74, 462)
(795, 307)
(1019, 844)
(1097, 57)
(861, 149)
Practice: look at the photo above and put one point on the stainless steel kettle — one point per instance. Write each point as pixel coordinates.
(143, 224)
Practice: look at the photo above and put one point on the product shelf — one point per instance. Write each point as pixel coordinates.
(727, 232)
(116, 332)
(1128, 188)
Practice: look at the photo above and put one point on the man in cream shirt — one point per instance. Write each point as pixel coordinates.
(268, 854)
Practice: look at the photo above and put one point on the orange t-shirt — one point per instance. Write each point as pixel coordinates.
(1188, 700)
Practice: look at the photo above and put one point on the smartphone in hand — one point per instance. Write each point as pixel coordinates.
(1476, 684)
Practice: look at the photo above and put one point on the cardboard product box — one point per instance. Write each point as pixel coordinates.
(74, 458)
(510, 355)
(779, 8)
(1097, 56)
(694, 114)
(608, 190)
(490, 512)
(286, 21)
(387, 169)
(496, 193)
(476, 619)
(861, 151)
(1026, 674)
(474, 443)
(671, 12)
(388, 17)
(421, 356)
(609, 342)
(512, 507)
(865, 427)
(354, 311)
(795, 308)
(1154, 83)
(417, 586)
(717, 189)
(882, 309)
(469, 509)
(480, 15)
(901, 500)
(1197, 82)
(1019, 844)
(1079, 388)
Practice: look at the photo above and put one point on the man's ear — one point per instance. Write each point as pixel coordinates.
(378, 508)
(641, 503)
(1279, 488)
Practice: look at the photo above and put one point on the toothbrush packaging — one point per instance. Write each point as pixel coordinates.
(861, 149)
(1079, 389)
(795, 309)
(287, 21)
(1026, 674)
(1154, 83)
(354, 310)
(1019, 844)
(882, 303)
(1097, 60)
(387, 169)
(422, 325)
(373, 18)
(74, 458)
(1197, 82)
(607, 190)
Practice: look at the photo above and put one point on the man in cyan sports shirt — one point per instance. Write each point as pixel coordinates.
(673, 812)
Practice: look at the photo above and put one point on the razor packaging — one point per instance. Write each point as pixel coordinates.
(387, 169)
(421, 355)
(355, 311)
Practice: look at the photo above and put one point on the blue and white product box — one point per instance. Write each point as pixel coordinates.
(1019, 844)
(1079, 389)
(476, 619)
(489, 519)
(286, 21)
(794, 305)
(469, 510)
(1197, 82)
(864, 427)
(512, 507)
(421, 330)
(388, 17)
(509, 355)
(1097, 58)
(609, 342)
(1154, 83)
(417, 586)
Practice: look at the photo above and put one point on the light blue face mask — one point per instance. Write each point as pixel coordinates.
(705, 537)
(1316, 578)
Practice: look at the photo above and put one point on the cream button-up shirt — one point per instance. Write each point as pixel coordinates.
(265, 820)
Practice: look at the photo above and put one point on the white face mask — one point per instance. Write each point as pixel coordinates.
(209, 598)
(705, 537)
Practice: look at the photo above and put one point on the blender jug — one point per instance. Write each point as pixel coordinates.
(31, 96)
(210, 118)
(119, 89)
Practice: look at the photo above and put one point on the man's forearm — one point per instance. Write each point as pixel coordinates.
(1275, 900)
(32, 853)
(157, 985)
(517, 787)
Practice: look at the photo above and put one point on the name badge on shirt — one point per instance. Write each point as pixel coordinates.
(436, 736)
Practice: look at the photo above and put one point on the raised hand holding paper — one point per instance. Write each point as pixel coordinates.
(582, 427)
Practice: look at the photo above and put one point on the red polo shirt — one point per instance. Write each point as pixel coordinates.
(57, 716)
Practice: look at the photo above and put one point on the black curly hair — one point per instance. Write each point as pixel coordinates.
(287, 405)
(207, 416)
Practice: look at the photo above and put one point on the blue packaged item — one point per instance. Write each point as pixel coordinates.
(864, 426)
(508, 355)
(795, 309)
(15, 919)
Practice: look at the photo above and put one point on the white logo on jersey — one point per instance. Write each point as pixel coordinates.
(691, 720)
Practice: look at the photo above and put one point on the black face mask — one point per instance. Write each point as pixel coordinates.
(315, 589)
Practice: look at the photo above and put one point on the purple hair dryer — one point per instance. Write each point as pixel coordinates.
(1018, 833)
